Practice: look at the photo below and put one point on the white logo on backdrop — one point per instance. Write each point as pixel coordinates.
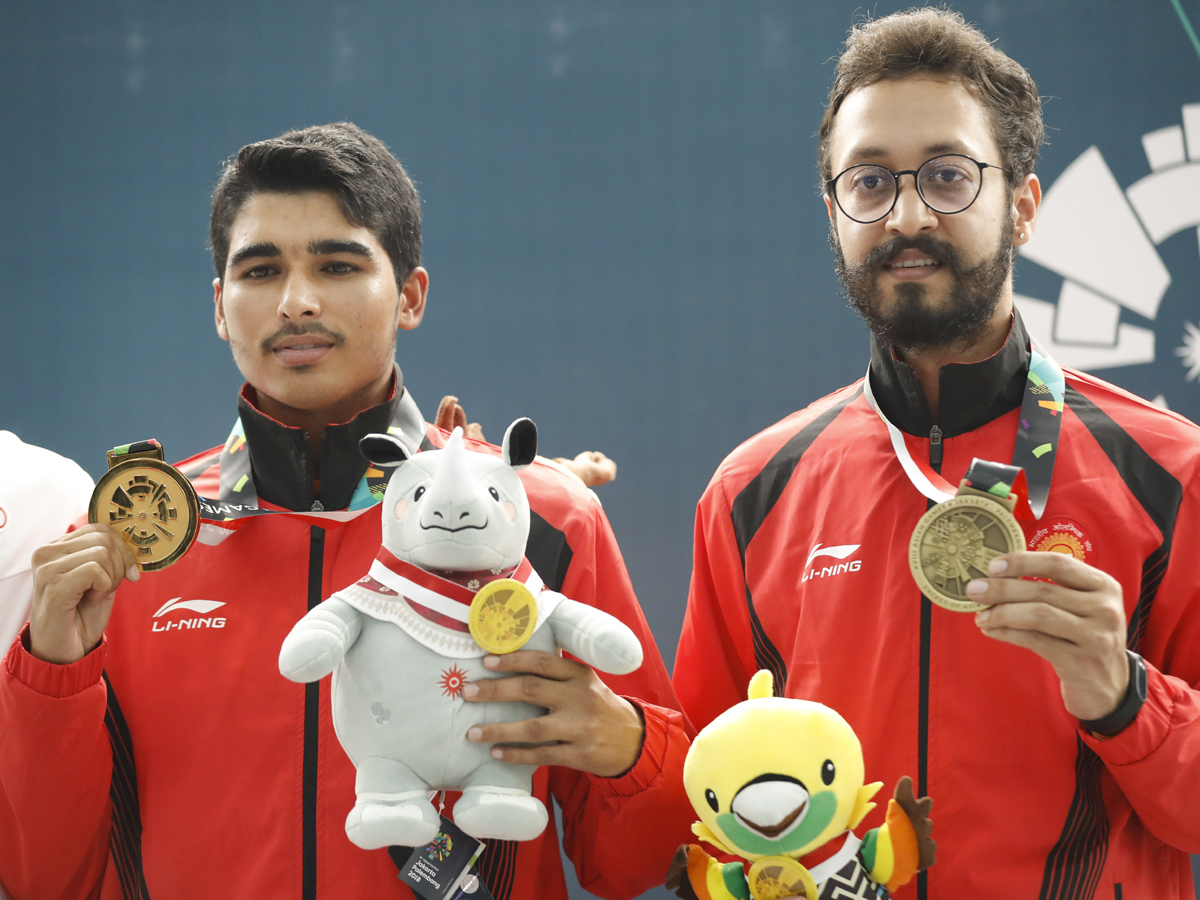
(1103, 241)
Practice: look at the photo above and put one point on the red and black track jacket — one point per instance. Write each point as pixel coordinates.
(174, 761)
(801, 567)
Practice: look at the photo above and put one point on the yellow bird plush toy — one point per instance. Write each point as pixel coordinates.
(780, 783)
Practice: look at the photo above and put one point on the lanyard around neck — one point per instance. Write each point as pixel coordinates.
(1037, 437)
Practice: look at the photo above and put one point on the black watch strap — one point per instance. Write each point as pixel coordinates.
(1135, 695)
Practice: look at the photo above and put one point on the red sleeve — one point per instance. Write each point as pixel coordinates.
(622, 832)
(715, 659)
(1156, 759)
(55, 770)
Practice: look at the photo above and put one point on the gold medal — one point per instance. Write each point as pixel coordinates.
(954, 542)
(772, 877)
(503, 616)
(149, 502)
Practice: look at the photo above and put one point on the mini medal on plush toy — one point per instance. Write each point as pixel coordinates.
(148, 502)
(779, 783)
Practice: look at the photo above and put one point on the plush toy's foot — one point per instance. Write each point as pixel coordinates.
(509, 817)
(372, 825)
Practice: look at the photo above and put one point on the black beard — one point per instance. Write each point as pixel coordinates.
(913, 324)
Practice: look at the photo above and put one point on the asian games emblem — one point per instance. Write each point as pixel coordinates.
(452, 682)
(1108, 245)
(440, 847)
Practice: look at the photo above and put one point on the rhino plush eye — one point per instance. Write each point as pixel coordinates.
(495, 494)
(418, 493)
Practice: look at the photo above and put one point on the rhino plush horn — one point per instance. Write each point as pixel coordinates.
(520, 443)
(383, 449)
(453, 481)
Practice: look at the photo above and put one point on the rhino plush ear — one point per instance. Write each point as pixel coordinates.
(520, 443)
(383, 449)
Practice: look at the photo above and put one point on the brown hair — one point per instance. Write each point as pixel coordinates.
(939, 43)
(371, 187)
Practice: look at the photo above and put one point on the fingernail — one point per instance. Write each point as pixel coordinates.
(470, 690)
(132, 573)
(982, 616)
(497, 753)
(977, 587)
(998, 567)
(474, 733)
(491, 661)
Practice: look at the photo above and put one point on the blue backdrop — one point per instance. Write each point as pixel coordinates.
(622, 223)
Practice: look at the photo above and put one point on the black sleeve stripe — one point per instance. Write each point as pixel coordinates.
(497, 868)
(752, 506)
(125, 843)
(548, 551)
(1074, 864)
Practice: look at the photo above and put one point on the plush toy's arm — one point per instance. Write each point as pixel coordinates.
(318, 642)
(602, 641)
(902, 846)
(694, 875)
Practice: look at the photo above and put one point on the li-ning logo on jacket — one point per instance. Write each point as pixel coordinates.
(840, 552)
(204, 607)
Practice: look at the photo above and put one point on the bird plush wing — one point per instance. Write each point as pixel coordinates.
(694, 875)
(904, 845)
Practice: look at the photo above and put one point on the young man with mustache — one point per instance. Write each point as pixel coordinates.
(1057, 729)
(139, 758)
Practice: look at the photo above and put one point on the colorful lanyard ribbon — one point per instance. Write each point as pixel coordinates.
(1037, 438)
(239, 497)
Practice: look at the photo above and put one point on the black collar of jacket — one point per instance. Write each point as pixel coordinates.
(969, 394)
(281, 456)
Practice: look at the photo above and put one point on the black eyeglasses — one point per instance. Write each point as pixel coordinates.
(946, 184)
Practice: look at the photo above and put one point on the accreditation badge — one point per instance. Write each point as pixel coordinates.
(956, 539)
(149, 502)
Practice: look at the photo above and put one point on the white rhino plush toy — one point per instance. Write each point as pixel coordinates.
(400, 650)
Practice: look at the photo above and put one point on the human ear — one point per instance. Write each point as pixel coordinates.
(1027, 197)
(412, 299)
(219, 311)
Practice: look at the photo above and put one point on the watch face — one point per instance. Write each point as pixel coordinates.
(152, 506)
(503, 615)
(953, 544)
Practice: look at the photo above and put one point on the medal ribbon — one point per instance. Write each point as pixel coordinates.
(1037, 439)
(435, 592)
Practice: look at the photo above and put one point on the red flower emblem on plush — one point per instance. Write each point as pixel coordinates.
(452, 682)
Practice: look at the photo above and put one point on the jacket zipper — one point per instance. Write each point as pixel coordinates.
(312, 706)
(935, 460)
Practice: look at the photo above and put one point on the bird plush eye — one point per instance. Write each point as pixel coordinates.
(712, 800)
(828, 771)
(495, 494)
(418, 493)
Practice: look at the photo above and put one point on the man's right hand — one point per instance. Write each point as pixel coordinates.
(74, 580)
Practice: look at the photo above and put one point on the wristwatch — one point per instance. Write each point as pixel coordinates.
(1135, 695)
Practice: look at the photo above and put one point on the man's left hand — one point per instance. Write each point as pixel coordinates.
(587, 726)
(1075, 621)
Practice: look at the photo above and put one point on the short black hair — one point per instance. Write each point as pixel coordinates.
(371, 187)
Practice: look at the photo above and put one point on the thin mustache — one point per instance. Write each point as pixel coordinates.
(292, 330)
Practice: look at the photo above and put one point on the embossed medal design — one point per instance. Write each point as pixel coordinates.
(772, 877)
(503, 615)
(954, 542)
(149, 503)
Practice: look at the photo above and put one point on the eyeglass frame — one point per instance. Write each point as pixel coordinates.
(831, 186)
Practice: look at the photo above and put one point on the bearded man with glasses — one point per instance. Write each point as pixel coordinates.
(1057, 728)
